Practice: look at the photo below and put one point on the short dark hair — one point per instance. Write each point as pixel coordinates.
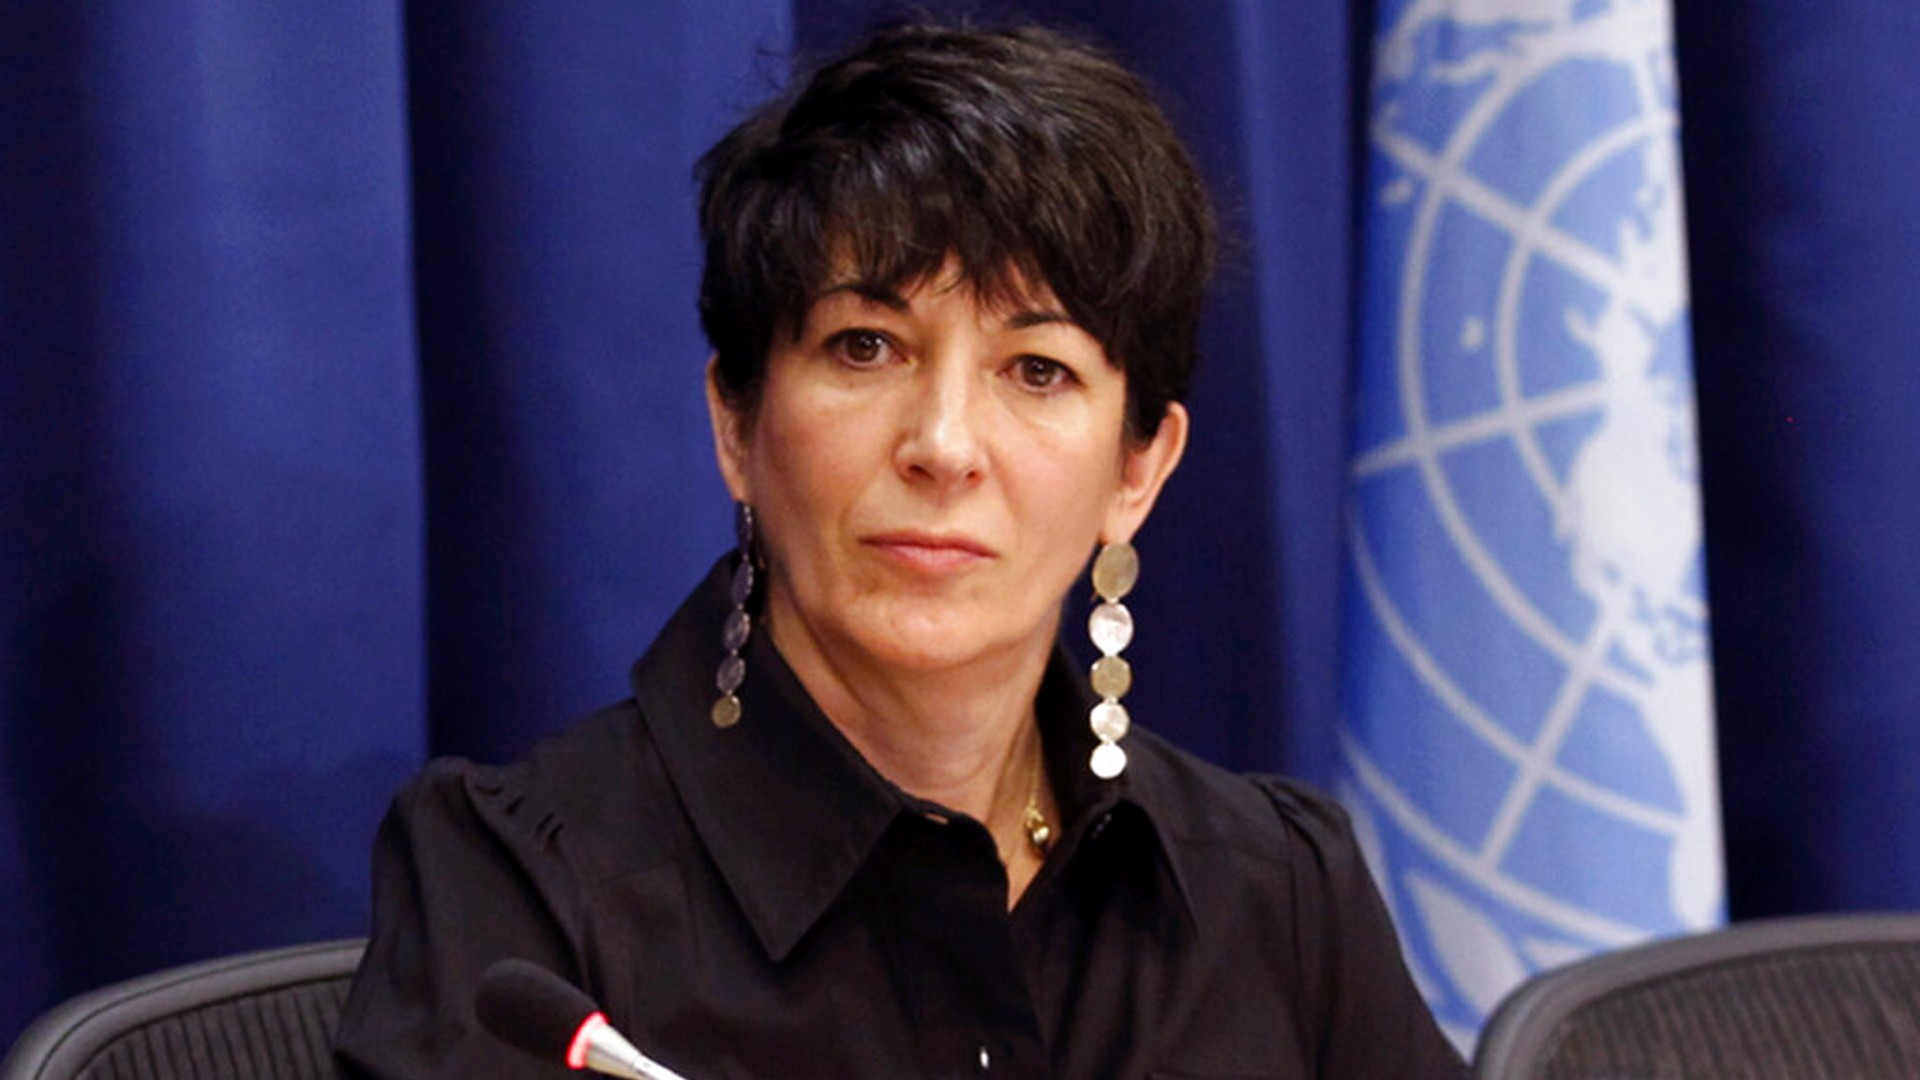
(1022, 153)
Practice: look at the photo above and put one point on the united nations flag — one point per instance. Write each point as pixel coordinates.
(1528, 739)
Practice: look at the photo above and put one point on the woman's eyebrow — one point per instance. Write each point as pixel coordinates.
(876, 293)
(867, 290)
(1022, 320)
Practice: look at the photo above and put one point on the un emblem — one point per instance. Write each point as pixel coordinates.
(1528, 748)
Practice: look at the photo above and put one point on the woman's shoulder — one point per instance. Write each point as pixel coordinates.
(593, 793)
(590, 752)
(1261, 815)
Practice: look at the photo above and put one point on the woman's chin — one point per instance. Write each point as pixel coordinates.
(942, 640)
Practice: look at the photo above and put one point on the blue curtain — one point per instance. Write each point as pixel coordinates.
(1802, 148)
(352, 415)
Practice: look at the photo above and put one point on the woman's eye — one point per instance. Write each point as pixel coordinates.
(1040, 373)
(861, 348)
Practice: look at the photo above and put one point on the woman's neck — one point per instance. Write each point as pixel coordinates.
(963, 737)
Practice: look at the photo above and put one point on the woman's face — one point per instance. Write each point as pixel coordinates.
(929, 475)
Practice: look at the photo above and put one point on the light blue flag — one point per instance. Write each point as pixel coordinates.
(1528, 740)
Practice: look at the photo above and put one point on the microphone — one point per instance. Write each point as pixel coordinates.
(528, 1007)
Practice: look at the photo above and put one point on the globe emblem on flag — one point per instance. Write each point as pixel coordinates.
(1528, 746)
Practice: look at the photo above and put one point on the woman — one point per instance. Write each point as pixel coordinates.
(863, 817)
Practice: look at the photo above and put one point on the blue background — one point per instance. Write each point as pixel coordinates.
(349, 384)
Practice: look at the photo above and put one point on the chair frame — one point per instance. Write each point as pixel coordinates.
(67, 1037)
(1529, 1019)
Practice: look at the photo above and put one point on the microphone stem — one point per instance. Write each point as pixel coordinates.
(610, 1053)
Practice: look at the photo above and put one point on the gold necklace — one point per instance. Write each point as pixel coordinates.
(1034, 819)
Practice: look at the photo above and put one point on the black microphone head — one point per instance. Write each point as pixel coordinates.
(527, 1006)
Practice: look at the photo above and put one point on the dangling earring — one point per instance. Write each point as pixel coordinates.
(1111, 627)
(739, 625)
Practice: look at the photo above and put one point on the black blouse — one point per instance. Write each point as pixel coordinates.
(759, 902)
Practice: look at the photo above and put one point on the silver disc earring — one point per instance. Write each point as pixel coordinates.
(739, 624)
(1111, 626)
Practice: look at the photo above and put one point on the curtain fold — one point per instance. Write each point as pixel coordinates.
(570, 487)
(212, 660)
(1802, 147)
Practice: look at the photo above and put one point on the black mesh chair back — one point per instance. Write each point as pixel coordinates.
(259, 1016)
(1818, 998)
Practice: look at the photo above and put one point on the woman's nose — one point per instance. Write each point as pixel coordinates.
(941, 442)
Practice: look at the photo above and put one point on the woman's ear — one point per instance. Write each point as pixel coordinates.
(1143, 472)
(730, 441)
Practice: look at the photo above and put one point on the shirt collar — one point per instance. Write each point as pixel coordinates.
(1148, 789)
(789, 810)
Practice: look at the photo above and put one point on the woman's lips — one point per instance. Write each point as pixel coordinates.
(931, 552)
